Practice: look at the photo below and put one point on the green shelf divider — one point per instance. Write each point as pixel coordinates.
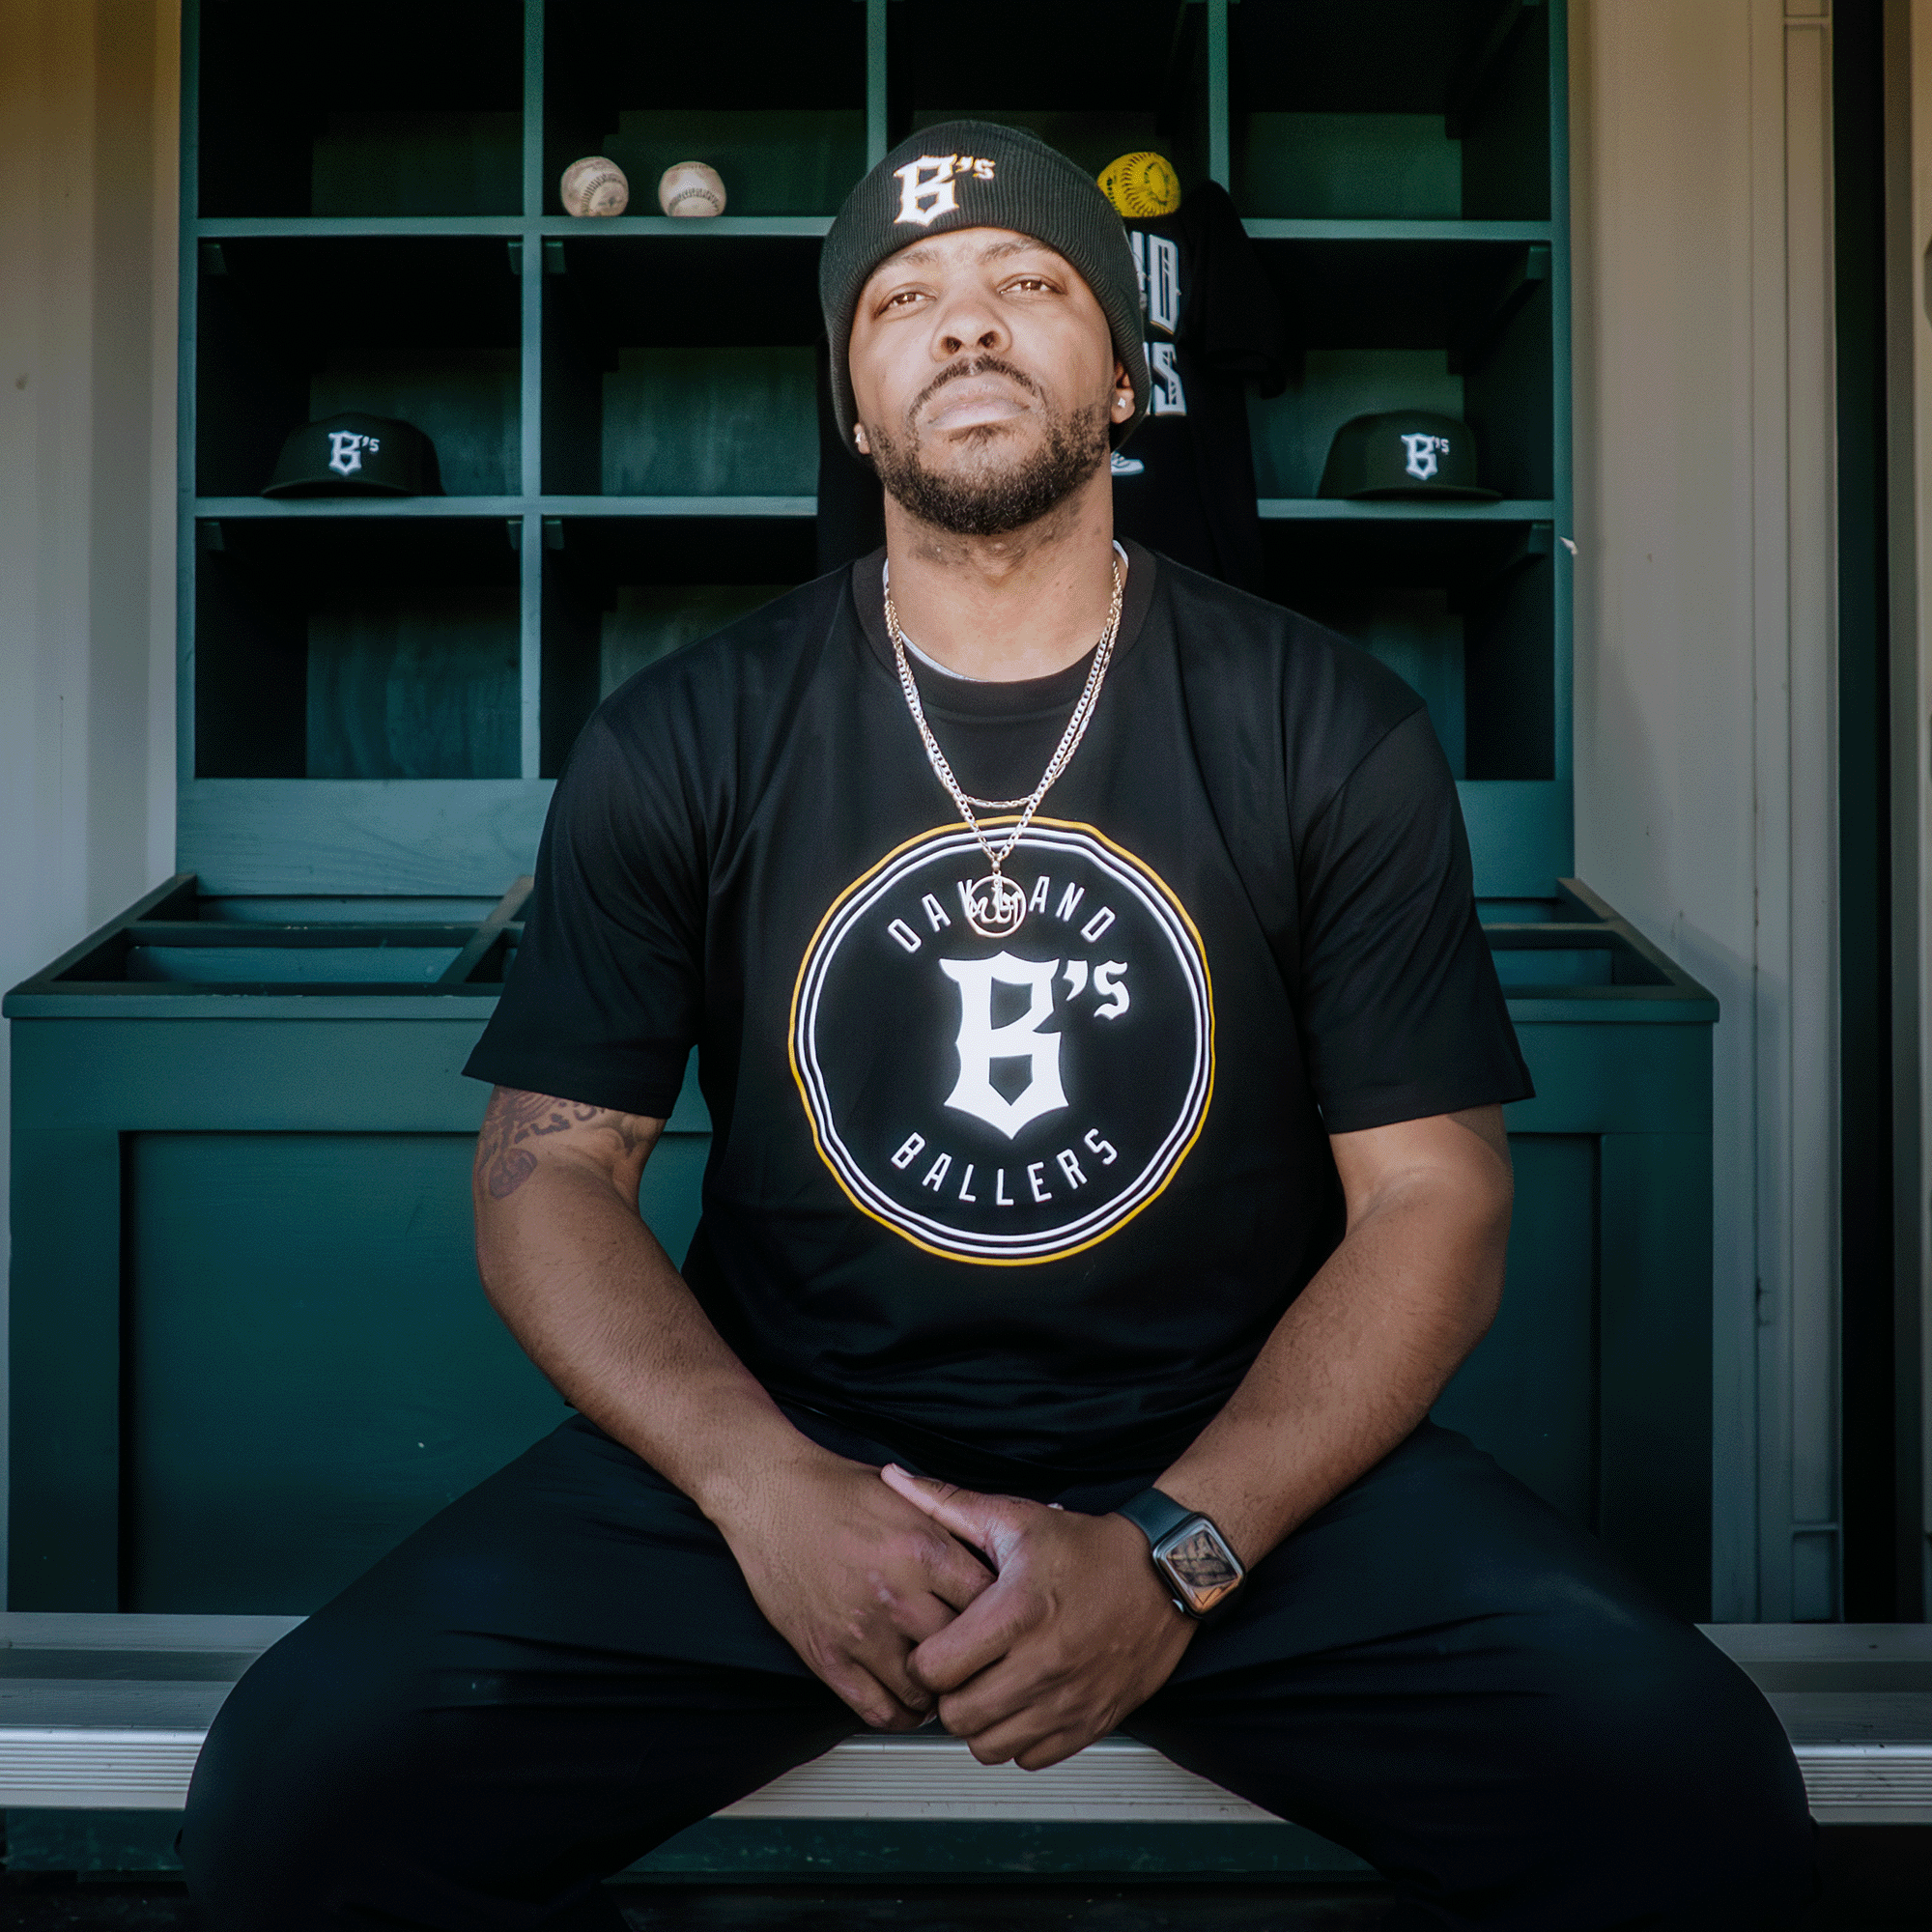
(329, 509)
(1276, 228)
(1345, 510)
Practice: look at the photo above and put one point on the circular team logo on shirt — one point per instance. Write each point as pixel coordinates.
(1012, 1098)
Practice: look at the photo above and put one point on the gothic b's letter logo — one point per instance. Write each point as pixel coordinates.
(981, 1042)
(1423, 461)
(926, 189)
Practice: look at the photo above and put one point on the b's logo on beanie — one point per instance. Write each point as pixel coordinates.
(929, 188)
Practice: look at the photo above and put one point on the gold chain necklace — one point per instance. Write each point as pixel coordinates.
(994, 905)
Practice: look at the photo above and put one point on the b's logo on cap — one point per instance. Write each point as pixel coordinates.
(1425, 454)
(929, 187)
(346, 447)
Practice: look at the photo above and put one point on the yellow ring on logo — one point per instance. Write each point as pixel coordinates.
(1138, 864)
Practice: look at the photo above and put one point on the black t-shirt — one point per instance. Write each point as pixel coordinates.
(1043, 1195)
(1184, 481)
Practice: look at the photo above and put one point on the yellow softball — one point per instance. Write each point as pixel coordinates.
(1141, 184)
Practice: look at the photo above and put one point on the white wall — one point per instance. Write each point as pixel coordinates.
(1705, 670)
(88, 196)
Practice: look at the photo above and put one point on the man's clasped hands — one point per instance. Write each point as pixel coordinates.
(1030, 1629)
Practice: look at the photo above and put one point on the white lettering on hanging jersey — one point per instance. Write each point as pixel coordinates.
(1170, 399)
(1157, 264)
(1163, 283)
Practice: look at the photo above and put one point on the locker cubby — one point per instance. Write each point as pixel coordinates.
(621, 592)
(774, 98)
(290, 330)
(1463, 611)
(1390, 110)
(1138, 81)
(1459, 328)
(362, 108)
(635, 398)
(359, 648)
(680, 365)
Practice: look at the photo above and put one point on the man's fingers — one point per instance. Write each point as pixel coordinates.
(921, 1616)
(1056, 1749)
(955, 1575)
(974, 1641)
(1000, 1695)
(992, 1524)
(870, 1701)
(884, 1655)
(1029, 1740)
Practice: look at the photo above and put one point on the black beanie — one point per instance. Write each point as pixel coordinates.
(976, 174)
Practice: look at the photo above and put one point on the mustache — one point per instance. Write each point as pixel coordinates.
(975, 365)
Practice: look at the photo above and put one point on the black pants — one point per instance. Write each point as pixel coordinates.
(564, 1668)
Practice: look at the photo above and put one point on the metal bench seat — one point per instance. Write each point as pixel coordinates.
(108, 1713)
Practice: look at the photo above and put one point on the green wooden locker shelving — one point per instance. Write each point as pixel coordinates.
(248, 1351)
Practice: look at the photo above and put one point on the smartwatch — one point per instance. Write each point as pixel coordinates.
(1192, 1556)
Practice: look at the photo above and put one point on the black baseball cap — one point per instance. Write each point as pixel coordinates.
(356, 455)
(1403, 453)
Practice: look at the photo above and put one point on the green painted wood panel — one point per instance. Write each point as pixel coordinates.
(1656, 1380)
(1528, 1392)
(421, 686)
(710, 422)
(174, 1145)
(1348, 164)
(310, 1368)
(297, 1239)
(64, 1340)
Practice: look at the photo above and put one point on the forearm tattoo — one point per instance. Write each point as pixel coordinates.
(513, 1119)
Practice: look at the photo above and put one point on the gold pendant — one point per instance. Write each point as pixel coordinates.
(994, 906)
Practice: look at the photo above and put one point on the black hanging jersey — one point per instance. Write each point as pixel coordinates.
(1041, 1190)
(851, 515)
(1184, 481)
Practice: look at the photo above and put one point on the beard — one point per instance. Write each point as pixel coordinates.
(991, 498)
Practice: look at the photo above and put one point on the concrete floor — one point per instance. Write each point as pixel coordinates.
(1880, 1881)
(49, 1906)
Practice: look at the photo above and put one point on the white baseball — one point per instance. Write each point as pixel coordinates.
(689, 189)
(594, 185)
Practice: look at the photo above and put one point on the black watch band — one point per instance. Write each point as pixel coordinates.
(1189, 1552)
(1154, 1513)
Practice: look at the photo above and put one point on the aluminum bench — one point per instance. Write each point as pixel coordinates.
(108, 1713)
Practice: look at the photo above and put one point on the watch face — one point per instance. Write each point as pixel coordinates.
(1199, 1564)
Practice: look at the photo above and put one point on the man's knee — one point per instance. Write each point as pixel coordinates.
(285, 1792)
(1687, 1775)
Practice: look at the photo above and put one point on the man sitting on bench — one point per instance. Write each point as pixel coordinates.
(1105, 1068)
